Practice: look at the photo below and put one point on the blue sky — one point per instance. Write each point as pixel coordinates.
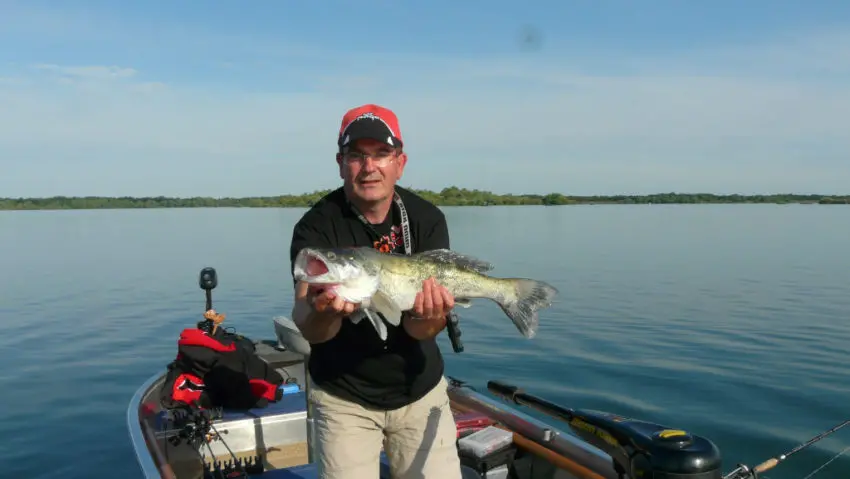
(245, 98)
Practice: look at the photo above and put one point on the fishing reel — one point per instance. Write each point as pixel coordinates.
(193, 424)
(639, 449)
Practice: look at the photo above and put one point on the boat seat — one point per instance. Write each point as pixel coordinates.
(289, 337)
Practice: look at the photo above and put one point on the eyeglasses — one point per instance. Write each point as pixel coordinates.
(380, 159)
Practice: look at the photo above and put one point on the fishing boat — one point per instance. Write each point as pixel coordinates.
(496, 438)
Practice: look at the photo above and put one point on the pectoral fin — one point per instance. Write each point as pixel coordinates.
(387, 307)
(463, 302)
(379, 325)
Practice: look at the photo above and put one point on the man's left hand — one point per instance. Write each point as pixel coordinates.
(433, 303)
(430, 309)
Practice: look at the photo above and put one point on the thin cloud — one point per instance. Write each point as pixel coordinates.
(96, 72)
(721, 120)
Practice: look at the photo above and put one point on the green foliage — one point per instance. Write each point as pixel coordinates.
(451, 196)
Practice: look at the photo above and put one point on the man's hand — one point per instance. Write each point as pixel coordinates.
(430, 308)
(318, 314)
(434, 301)
(325, 303)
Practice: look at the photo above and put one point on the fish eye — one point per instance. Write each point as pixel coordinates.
(331, 255)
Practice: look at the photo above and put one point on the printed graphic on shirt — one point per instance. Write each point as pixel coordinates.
(388, 243)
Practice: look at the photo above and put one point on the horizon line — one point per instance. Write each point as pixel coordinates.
(435, 192)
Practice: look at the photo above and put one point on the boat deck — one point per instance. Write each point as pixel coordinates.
(276, 436)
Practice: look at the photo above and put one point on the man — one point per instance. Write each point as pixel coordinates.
(369, 392)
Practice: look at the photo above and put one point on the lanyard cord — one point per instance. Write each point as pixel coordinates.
(405, 222)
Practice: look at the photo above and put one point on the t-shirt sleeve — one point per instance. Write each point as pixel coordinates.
(435, 235)
(306, 233)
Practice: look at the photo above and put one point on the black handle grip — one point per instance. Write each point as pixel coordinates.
(454, 333)
(505, 390)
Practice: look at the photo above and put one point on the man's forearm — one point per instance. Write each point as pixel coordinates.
(313, 330)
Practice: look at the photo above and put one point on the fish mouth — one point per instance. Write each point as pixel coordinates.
(312, 267)
(315, 266)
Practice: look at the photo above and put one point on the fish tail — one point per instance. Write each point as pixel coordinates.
(522, 306)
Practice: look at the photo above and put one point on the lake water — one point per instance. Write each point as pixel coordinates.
(730, 321)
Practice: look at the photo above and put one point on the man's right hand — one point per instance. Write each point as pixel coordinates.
(318, 314)
(325, 304)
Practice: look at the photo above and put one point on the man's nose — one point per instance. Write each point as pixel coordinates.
(370, 164)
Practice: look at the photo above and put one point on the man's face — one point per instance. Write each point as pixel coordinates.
(370, 169)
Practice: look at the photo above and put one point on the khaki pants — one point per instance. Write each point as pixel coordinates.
(419, 439)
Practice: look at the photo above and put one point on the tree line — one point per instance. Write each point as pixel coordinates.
(451, 196)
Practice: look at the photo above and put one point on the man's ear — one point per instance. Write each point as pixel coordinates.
(339, 163)
(402, 162)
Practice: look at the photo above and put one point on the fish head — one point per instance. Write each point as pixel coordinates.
(348, 270)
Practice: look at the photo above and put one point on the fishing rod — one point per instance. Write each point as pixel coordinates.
(744, 472)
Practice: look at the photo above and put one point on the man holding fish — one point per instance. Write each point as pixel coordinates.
(370, 252)
(368, 391)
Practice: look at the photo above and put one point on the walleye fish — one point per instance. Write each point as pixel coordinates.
(388, 283)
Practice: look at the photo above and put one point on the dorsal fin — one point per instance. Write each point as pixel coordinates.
(448, 256)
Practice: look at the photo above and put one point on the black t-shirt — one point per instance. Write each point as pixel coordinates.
(356, 364)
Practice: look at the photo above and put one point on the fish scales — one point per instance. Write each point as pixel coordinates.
(403, 279)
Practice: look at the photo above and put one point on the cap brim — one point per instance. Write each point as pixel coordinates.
(387, 140)
(374, 130)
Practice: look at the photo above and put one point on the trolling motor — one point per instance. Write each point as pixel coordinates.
(640, 449)
(208, 280)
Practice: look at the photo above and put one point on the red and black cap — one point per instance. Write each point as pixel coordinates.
(370, 121)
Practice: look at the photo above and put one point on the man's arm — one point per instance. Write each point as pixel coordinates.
(437, 237)
(315, 326)
(318, 326)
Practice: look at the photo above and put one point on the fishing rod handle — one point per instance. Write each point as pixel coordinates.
(504, 390)
(453, 329)
(766, 465)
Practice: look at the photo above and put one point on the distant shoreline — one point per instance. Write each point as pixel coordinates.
(451, 196)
